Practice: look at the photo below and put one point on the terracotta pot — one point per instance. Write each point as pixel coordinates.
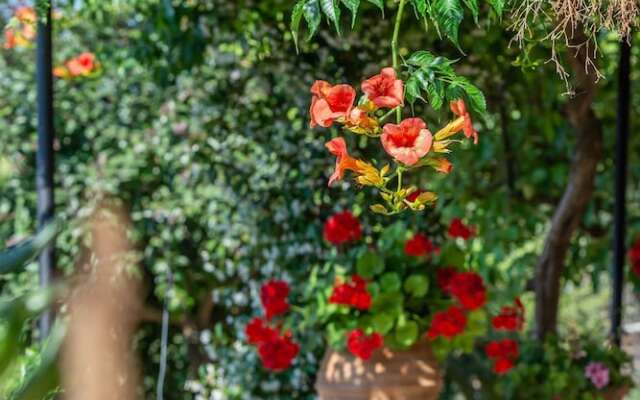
(389, 375)
(615, 394)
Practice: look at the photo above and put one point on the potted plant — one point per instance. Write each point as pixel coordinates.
(391, 305)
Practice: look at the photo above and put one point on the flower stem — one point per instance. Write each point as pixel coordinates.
(394, 49)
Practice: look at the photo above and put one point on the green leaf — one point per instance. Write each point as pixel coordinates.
(390, 282)
(407, 333)
(452, 256)
(369, 264)
(379, 4)
(412, 90)
(435, 95)
(382, 323)
(353, 6)
(475, 97)
(421, 58)
(389, 303)
(416, 285)
(332, 11)
(311, 12)
(421, 7)
(18, 256)
(498, 6)
(296, 16)
(449, 15)
(472, 5)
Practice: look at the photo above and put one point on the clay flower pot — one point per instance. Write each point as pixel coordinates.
(411, 374)
(616, 393)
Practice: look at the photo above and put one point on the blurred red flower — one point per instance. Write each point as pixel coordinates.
(384, 89)
(273, 296)
(407, 142)
(448, 323)
(353, 294)
(504, 352)
(341, 228)
(338, 147)
(82, 64)
(457, 229)
(511, 318)
(363, 346)
(444, 277)
(257, 331)
(330, 102)
(278, 352)
(468, 288)
(419, 245)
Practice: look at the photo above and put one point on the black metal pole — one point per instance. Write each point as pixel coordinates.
(620, 211)
(44, 156)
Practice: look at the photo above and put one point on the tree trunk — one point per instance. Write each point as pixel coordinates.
(579, 189)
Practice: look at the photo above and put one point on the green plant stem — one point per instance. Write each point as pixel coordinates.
(394, 48)
(388, 114)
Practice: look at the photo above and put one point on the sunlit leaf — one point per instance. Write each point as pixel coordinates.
(353, 6)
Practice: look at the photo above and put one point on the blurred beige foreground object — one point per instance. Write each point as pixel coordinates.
(411, 374)
(97, 359)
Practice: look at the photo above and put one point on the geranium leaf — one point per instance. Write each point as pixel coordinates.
(416, 285)
(369, 264)
(332, 11)
(353, 6)
(449, 15)
(311, 12)
(407, 333)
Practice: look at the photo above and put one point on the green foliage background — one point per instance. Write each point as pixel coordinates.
(198, 123)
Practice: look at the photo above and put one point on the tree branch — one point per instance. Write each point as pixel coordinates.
(579, 189)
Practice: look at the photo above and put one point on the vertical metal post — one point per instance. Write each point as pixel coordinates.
(622, 139)
(44, 155)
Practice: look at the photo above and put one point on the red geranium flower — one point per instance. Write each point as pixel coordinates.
(407, 142)
(457, 229)
(278, 353)
(469, 289)
(504, 352)
(448, 323)
(511, 318)
(330, 102)
(384, 89)
(257, 331)
(341, 228)
(458, 108)
(352, 294)
(363, 346)
(444, 277)
(502, 365)
(419, 245)
(273, 296)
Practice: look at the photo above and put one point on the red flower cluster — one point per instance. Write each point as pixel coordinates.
(468, 288)
(511, 318)
(341, 228)
(81, 65)
(276, 351)
(420, 245)
(504, 353)
(448, 323)
(273, 296)
(363, 346)
(457, 229)
(634, 257)
(353, 294)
